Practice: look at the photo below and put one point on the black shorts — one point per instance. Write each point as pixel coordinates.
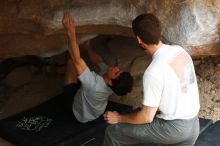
(69, 92)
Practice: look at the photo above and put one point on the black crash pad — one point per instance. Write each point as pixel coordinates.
(48, 124)
(210, 136)
(204, 124)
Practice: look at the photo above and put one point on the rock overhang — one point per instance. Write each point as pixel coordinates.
(30, 27)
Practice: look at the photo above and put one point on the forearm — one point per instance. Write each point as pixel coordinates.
(145, 115)
(74, 52)
(73, 46)
(134, 118)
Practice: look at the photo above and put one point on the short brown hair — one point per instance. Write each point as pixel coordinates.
(147, 27)
(123, 84)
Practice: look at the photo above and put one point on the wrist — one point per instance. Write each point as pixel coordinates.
(71, 32)
(120, 119)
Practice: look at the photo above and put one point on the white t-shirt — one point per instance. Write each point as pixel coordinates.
(91, 99)
(170, 84)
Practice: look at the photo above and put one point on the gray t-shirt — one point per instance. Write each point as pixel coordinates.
(91, 99)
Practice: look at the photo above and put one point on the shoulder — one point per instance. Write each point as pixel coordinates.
(89, 77)
(156, 66)
(177, 47)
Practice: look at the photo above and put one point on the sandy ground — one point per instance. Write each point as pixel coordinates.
(29, 85)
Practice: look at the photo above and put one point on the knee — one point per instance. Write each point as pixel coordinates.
(110, 130)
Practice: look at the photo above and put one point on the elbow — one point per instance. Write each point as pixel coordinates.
(148, 121)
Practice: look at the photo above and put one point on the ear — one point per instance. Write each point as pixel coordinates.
(139, 40)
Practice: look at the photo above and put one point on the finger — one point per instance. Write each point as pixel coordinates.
(111, 122)
(106, 119)
(69, 17)
(115, 112)
(65, 18)
(66, 13)
(114, 122)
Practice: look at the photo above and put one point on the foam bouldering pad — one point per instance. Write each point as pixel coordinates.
(49, 124)
(146, 144)
(210, 136)
(204, 124)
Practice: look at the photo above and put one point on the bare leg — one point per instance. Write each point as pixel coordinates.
(71, 75)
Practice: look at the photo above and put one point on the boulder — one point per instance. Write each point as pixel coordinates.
(30, 27)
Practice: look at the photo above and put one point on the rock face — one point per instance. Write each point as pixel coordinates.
(29, 81)
(34, 27)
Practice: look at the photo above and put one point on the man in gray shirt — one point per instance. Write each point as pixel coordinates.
(90, 95)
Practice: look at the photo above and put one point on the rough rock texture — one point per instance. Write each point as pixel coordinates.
(29, 81)
(32, 80)
(34, 27)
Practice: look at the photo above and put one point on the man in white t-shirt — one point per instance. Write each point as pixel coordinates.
(170, 89)
(86, 92)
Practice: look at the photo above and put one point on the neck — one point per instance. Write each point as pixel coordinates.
(151, 49)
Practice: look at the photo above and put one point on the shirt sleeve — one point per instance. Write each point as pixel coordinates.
(88, 78)
(103, 68)
(152, 91)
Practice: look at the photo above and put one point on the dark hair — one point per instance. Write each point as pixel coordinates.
(122, 84)
(147, 27)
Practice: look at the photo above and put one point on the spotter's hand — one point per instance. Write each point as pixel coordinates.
(112, 117)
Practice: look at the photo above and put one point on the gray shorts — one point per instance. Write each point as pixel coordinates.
(165, 132)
